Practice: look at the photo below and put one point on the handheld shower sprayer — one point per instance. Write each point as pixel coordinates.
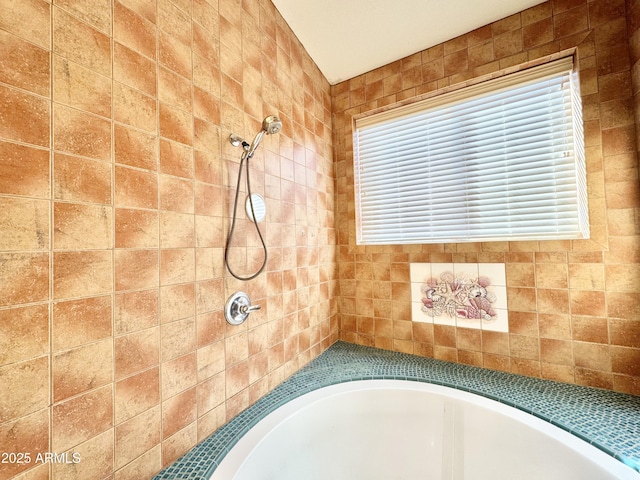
(270, 125)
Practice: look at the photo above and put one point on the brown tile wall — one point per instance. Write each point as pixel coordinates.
(116, 179)
(633, 25)
(574, 310)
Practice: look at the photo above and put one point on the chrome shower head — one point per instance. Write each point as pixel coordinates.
(270, 125)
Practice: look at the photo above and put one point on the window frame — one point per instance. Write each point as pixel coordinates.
(477, 89)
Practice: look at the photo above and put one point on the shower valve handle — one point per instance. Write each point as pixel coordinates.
(249, 308)
(238, 308)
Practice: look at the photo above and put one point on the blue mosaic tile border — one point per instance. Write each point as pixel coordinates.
(607, 420)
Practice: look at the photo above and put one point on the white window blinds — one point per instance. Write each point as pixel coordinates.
(501, 160)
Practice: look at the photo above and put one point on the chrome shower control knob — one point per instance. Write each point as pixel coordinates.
(238, 308)
(247, 309)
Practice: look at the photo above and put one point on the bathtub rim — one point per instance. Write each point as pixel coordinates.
(345, 362)
(250, 439)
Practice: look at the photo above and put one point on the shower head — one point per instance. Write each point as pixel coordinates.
(270, 125)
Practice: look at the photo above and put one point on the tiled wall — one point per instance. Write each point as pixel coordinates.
(115, 186)
(574, 313)
(115, 189)
(633, 14)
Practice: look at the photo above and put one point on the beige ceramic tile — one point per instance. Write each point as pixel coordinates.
(559, 352)
(24, 224)
(584, 302)
(524, 347)
(81, 43)
(178, 338)
(78, 322)
(24, 333)
(175, 124)
(178, 412)
(77, 420)
(136, 269)
(176, 230)
(135, 311)
(81, 227)
(25, 65)
(209, 296)
(236, 378)
(31, 274)
(556, 326)
(137, 435)
(136, 188)
(96, 13)
(178, 195)
(136, 394)
(174, 90)
(146, 465)
(133, 69)
(134, 108)
(134, 31)
(29, 20)
(179, 444)
(593, 356)
(625, 360)
(210, 360)
(551, 275)
(29, 117)
(82, 273)
(80, 87)
(553, 301)
(622, 278)
(26, 388)
(622, 305)
(136, 228)
(96, 457)
(79, 133)
(80, 179)
(178, 375)
(135, 148)
(177, 302)
(176, 159)
(24, 170)
(624, 332)
(586, 276)
(136, 352)
(236, 348)
(82, 369)
(26, 434)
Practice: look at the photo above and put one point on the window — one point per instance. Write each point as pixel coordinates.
(500, 160)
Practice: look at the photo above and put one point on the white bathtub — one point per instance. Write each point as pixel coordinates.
(403, 430)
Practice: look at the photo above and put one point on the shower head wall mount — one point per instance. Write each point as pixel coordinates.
(270, 125)
(236, 141)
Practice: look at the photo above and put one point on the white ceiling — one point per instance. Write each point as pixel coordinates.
(349, 37)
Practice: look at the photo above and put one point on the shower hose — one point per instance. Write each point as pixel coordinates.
(244, 159)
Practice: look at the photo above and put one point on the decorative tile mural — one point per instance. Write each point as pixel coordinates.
(469, 295)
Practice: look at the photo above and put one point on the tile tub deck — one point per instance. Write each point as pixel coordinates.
(606, 419)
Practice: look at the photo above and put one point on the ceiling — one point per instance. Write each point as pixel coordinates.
(349, 37)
